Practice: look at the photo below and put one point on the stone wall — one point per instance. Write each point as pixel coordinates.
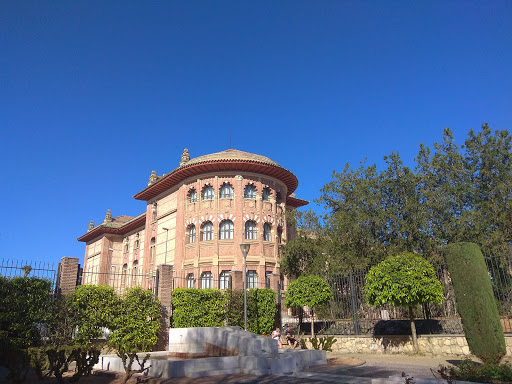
(453, 345)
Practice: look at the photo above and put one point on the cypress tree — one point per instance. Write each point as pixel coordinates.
(475, 301)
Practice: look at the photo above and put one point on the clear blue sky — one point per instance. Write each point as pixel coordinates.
(96, 94)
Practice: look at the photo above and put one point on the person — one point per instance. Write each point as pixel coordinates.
(276, 335)
(290, 337)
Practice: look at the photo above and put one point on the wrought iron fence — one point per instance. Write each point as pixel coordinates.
(119, 280)
(349, 314)
(40, 269)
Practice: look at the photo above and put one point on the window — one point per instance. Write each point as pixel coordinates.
(155, 211)
(267, 230)
(279, 198)
(191, 233)
(190, 280)
(279, 234)
(265, 194)
(250, 192)
(206, 280)
(192, 196)
(208, 193)
(227, 230)
(126, 248)
(250, 230)
(207, 231)
(135, 272)
(252, 279)
(267, 279)
(224, 280)
(136, 244)
(152, 251)
(124, 275)
(226, 191)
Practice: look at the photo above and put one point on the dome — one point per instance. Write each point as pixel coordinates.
(231, 154)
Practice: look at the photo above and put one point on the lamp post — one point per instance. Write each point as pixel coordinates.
(166, 237)
(245, 250)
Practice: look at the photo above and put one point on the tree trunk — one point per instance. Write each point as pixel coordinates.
(312, 324)
(413, 330)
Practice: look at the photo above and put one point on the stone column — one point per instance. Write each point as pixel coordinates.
(237, 279)
(67, 275)
(164, 288)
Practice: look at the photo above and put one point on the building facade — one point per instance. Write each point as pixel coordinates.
(195, 219)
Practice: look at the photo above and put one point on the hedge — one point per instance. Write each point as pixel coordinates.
(213, 308)
(475, 301)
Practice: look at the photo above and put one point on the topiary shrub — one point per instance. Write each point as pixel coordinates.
(475, 301)
(197, 308)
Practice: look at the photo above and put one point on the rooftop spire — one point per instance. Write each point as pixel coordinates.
(185, 157)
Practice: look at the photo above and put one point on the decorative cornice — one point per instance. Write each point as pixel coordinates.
(109, 229)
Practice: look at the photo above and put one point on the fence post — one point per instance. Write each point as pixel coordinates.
(353, 303)
(67, 275)
(164, 292)
(237, 281)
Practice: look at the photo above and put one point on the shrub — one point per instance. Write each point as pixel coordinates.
(467, 370)
(198, 308)
(475, 301)
(323, 343)
(261, 310)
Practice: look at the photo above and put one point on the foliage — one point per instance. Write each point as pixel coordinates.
(135, 328)
(14, 359)
(213, 308)
(402, 281)
(453, 193)
(198, 308)
(261, 311)
(475, 301)
(405, 280)
(323, 343)
(23, 303)
(467, 370)
(94, 308)
(308, 291)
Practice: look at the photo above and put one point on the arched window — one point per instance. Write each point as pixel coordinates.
(152, 251)
(206, 280)
(192, 196)
(250, 191)
(208, 193)
(207, 231)
(191, 233)
(267, 230)
(226, 191)
(227, 230)
(190, 280)
(135, 272)
(224, 280)
(279, 234)
(279, 198)
(265, 194)
(136, 246)
(252, 279)
(124, 275)
(250, 230)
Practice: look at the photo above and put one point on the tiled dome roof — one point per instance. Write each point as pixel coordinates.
(232, 154)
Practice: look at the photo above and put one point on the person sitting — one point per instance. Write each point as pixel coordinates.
(276, 335)
(290, 337)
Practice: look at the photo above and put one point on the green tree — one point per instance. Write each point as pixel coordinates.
(308, 291)
(475, 301)
(135, 327)
(403, 281)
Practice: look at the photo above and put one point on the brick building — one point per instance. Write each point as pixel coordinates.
(195, 219)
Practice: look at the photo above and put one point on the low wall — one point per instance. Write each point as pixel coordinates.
(429, 344)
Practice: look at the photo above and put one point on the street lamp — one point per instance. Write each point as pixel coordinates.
(245, 250)
(166, 237)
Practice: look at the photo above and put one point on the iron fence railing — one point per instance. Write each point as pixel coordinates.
(349, 314)
(43, 270)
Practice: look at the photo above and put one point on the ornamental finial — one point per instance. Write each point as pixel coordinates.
(185, 157)
(108, 217)
(91, 226)
(153, 178)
